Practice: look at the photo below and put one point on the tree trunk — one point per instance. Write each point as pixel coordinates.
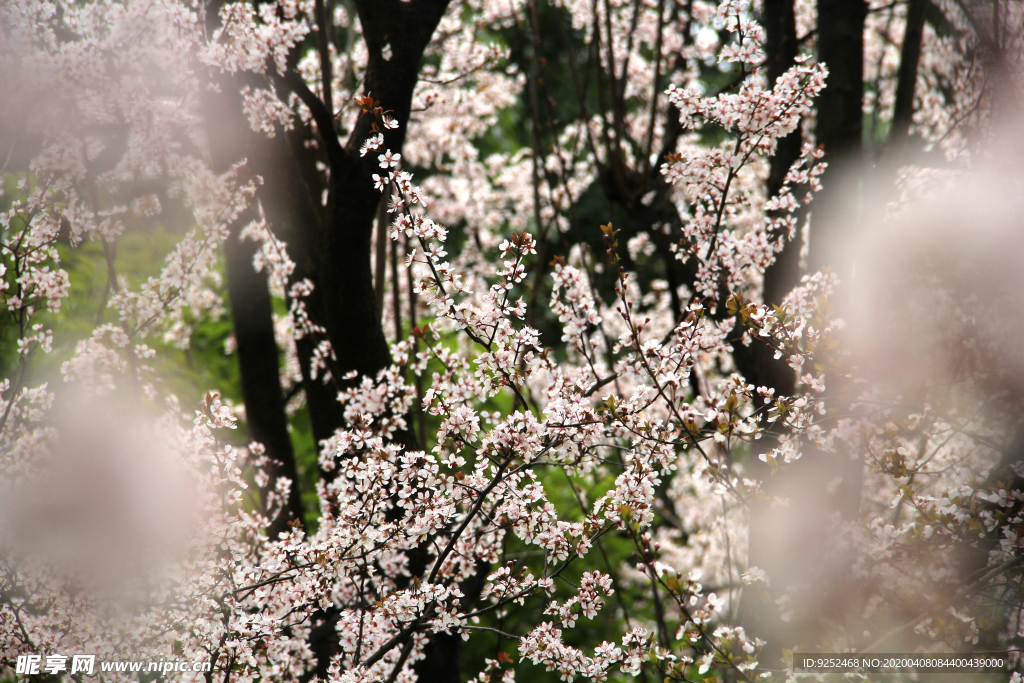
(232, 140)
(792, 544)
(290, 198)
(839, 129)
(910, 56)
(337, 249)
(258, 367)
(757, 362)
(351, 315)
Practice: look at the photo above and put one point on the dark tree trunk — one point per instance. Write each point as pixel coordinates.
(840, 116)
(332, 246)
(231, 140)
(910, 56)
(781, 47)
(350, 308)
(334, 251)
(836, 209)
(290, 199)
(757, 362)
(259, 370)
(790, 556)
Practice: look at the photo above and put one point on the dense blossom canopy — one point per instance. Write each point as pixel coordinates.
(601, 449)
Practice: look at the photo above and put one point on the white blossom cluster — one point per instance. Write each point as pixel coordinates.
(639, 430)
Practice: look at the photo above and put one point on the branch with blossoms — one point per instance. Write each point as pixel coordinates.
(507, 358)
(635, 434)
(759, 118)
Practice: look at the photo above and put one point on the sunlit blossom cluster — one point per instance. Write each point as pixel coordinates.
(635, 425)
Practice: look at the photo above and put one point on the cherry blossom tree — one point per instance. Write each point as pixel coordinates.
(592, 376)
